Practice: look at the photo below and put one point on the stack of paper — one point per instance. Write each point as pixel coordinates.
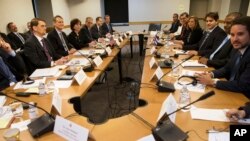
(6, 117)
(192, 63)
(2, 100)
(79, 62)
(46, 72)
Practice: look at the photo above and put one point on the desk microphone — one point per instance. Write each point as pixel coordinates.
(41, 125)
(166, 86)
(87, 68)
(165, 129)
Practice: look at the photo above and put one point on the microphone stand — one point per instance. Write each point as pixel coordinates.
(88, 68)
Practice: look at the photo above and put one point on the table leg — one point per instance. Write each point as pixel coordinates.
(141, 41)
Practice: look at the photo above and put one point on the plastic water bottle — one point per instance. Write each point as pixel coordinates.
(41, 89)
(32, 111)
(176, 70)
(184, 98)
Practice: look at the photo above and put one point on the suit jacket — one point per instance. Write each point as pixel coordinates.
(76, 40)
(85, 35)
(95, 33)
(241, 82)
(6, 39)
(211, 43)
(56, 42)
(16, 41)
(105, 29)
(174, 26)
(35, 54)
(221, 57)
(28, 34)
(193, 36)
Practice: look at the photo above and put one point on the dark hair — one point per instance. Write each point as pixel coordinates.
(35, 21)
(9, 24)
(73, 23)
(184, 13)
(175, 14)
(57, 16)
(245, 21)
(235, 15)
(97, 18)
(213, 15)
(106, 16)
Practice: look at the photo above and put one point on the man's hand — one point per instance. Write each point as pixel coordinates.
(192, 52)
(5, 46)
(205, 78)
(72, 50)
(203, 60)
(234, 114)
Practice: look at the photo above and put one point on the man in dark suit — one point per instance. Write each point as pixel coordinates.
(175, 24)
(96, 30)
(29, 32)
(12, 68)
(237, 70)
(219, 57)
(18, 39)
(59, 39)
(85, 34)
(210, 40)
(38, 50)
(106, 26)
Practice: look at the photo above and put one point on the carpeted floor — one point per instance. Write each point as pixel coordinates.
(114, 99)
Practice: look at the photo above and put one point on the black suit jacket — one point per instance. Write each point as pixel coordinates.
(76, 40)
(56, 42)
(105, 29)
(36, 56)
(85, 35)
(241, 83)
(193, 36)
(212, 42)
(95, 33)
(16, 41)
(221, 57)
(174, 26)
(6, 39)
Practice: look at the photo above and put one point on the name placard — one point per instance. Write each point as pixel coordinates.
(80, 76)
(109, 51)
(98, 61)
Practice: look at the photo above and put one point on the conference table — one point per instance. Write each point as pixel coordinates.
(128, 127)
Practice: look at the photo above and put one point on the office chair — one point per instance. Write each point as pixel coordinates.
(154, 27)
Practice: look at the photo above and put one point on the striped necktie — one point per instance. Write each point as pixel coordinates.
(20, 37)
(204, 40)
(45, 47)
(221, 45)
(236, 67)
(63, 42)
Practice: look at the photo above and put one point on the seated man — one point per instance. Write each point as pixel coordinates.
(106, 26)
(85, 34)
(219, 57)
(58, 38)
(18, 39)
(96, 29)
(237, 70)
(235, 114)
(182, 28)
(175, 24)
(38, 50)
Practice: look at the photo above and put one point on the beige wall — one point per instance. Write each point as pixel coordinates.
(17, 11)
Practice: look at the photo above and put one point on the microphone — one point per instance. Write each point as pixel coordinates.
(87, 68)
(167, 130)
(41, 125)
(166, 86)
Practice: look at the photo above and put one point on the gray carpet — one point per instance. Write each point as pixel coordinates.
(114, 99)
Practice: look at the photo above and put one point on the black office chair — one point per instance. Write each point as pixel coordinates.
(154, 27)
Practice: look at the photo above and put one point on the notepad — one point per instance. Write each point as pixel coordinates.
(192, 63)
(46, 72)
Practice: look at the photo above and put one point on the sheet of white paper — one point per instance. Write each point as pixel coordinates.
(218, 136)
(244, 121)
(46, 72)
(159, 73)
(168, 106)
(209, 114)
(21, 125)
(79, 62)
(177, 51)
(57, 101)
(80, 76)
(192, 63)
(69, 130)
(147, 138)
(2, 100)
(63, 83)
(19, 85)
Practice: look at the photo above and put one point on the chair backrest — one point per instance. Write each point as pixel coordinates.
(154, 27)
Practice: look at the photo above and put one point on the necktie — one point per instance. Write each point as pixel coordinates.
(109, 27)
(46, 50)
(204, 39)
(221, 45)
(20, 37)
(236, 66)
(5, 71)
(63, 42)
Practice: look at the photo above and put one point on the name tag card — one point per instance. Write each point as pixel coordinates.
(109, 51)
(98, 61)
(158, 73)
(121, 39)
(152, 50)
(152, 62)
(69, 130)
(80, 77)
(168, 106)
(117, 42)
(125, 35)
(57, 101)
